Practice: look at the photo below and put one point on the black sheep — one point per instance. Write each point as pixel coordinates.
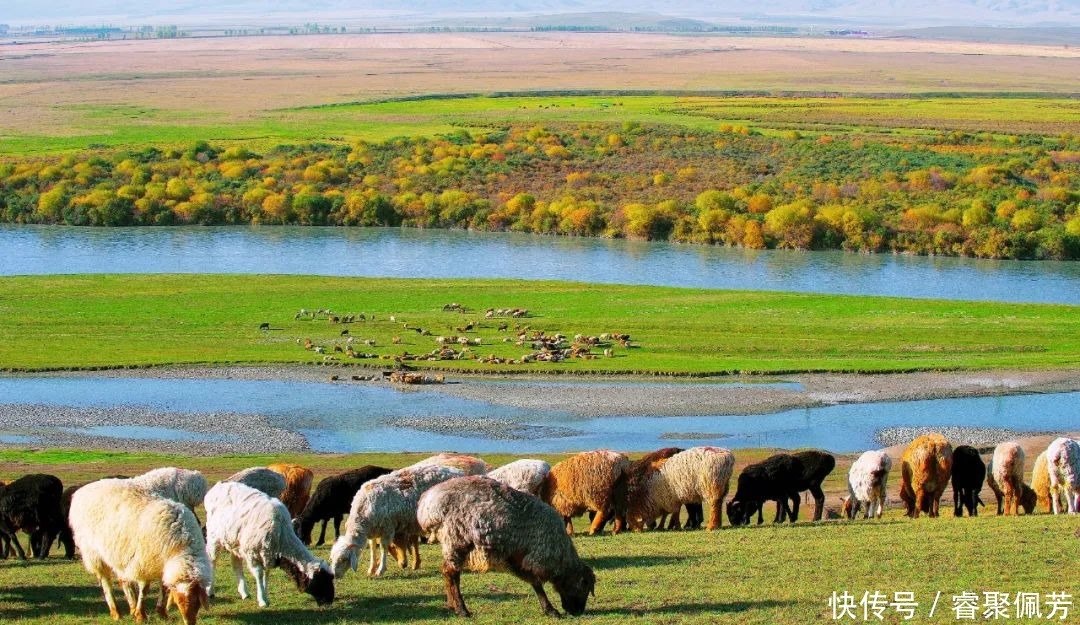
(817, 465)
(32, 504)
(968, 475)
(781, 478)
(332, 499)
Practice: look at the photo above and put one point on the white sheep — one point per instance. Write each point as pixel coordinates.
(1063, 460)
(184, 486)
(127, 534)
(384, 512)
(256, 530)
(525, 475)
(1007, 469)
(696, 475)
(261, 479)
(868, 479)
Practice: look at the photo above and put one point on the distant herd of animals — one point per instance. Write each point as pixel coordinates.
(143, 530)
(457, 344)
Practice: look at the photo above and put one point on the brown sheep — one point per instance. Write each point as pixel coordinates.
(298, 482)
(924, 473)
(1040, 483)
(591, 480)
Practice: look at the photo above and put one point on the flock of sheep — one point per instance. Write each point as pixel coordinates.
(517, 518)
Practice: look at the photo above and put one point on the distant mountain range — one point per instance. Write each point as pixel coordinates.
(896, 13)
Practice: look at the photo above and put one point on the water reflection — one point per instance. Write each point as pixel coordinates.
(442, 253)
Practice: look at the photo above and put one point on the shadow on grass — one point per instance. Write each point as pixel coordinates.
(601, 563)
(403, 608)
(19, 602)
(694, 608)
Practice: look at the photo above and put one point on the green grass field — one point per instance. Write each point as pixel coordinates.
(137, 320)
(136, 127)
(769, 575)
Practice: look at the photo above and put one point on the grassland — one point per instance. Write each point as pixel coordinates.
(128, 126)
(135, 320)
(71, 96)
(759, 575)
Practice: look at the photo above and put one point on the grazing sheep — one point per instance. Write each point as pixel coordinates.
(384, 512)
(32, 504)
(1028, 499)
(1040, 482)
(180, 485)
(260, 478)
(525, 475)
(331, 500)
(256, 530)
(298, 481)
(695, 476)
(868, 479)
(1063, 463)
(1007, 467)
(641, 469)
(591, 480)
(771, 479)
(486, 525)
(469, 465)
(127, 534)
(924, 472)
(968, 474)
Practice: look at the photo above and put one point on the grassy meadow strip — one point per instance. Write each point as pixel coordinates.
(100, 321)
(761, 575)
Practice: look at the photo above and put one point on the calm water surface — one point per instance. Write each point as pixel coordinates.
(384, 252)
(351, 418)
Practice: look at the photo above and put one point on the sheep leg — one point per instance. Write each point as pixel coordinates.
(22, 554)
(322, 533)
(570, 525)
(259, 573)
(545, 603)
(384, 547)
(716, 511)
(241, 583)
(819, 501)
(106, 589)
(793, 510)
(451, 571)
(139, 612)
(598, 523)
(129, 596)
(675, 522)
(1055, 496)
(162, 606)
(415, 545)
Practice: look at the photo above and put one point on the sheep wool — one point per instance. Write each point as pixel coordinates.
(260, 478)
(384, 511)
(591, 480)
(469, 465)
(485, 525)
(127, 534)
(1040, 482)
(696, 475)
(525, 475)
(1007, 469)
(1063, 464)
(868, 480)
(256, 530)
(298, 482)
(180, 485)
(924, 473)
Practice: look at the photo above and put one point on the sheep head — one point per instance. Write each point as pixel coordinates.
(574, 590)
(739, 513)
(188, 597)
(344, 555)
(846, 508)
(315, 579)
(1028, 499)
